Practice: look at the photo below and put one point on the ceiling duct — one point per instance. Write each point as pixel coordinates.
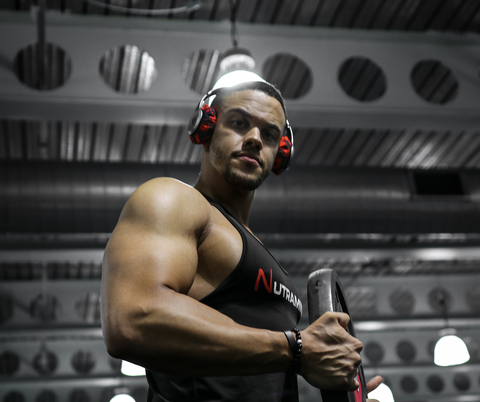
(88, 198)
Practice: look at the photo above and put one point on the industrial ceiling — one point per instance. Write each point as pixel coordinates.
(384, 100)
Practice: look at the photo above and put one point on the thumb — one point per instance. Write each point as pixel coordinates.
(342, 319)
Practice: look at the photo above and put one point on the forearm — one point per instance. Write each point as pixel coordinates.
(179, 335)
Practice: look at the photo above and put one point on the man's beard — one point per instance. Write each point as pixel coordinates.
(245, 183)
(239, 180)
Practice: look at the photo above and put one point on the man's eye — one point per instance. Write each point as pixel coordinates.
(237, 123)
(269, 135)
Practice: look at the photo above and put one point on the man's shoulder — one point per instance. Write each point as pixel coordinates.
(165, 197)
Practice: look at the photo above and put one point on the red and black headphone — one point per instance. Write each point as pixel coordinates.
(204, 118)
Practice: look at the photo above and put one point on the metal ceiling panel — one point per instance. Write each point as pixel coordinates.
(417, 15)
(116, 142)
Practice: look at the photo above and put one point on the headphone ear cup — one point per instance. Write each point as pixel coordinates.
(282, 160)
(202, 124)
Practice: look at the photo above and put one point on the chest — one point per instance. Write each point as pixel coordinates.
(219, 253)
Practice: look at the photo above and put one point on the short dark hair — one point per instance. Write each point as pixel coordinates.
(265, 87)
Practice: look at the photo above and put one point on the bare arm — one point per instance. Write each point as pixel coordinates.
(147, 318)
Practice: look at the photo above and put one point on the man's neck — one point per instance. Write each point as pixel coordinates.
(237, 201)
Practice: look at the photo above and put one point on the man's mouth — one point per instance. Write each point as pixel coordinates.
(249, 157)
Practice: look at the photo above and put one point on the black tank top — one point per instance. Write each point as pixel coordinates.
(257, 293)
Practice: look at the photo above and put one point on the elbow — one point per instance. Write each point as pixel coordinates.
(115, 343)
(115, 347)
(119, 340)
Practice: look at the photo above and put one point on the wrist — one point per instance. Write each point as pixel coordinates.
(295, 342)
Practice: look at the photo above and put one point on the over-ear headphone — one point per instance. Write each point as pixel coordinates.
(203, 121)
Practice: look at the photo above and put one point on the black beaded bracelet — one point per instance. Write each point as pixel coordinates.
(296, 347)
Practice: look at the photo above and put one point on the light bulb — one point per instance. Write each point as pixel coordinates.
(236, 77)
(382, 393)
(450, 350)
(131, 369)
(122, 398)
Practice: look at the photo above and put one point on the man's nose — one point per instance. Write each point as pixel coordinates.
(253, 138)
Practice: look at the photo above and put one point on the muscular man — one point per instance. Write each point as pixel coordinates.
(192, 295)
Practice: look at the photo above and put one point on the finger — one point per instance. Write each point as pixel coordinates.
(343, 319)
(374, 383)
(353, 385)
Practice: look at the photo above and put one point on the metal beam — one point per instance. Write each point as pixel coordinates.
(86, 97)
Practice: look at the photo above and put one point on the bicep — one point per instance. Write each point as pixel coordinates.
(143, 260)
(153, 247)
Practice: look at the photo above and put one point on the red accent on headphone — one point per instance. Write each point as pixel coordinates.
(283, 155)
(204, 131)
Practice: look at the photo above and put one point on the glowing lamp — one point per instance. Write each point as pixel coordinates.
(450, 350)
(122, 398)
(131, 369)
(236, 77)
(382, 393)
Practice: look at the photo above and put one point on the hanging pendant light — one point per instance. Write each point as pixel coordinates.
(382, 393)
(236, 64)
(122, 398)
(450, 350)
(131, 369)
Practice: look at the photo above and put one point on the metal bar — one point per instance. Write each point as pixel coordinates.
(51, 334)
(414, 325)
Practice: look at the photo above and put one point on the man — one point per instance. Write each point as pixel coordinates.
(189, 293)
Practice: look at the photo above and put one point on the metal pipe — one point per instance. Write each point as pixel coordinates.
(87, 198)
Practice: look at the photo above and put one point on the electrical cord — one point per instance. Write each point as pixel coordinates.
(233, 20)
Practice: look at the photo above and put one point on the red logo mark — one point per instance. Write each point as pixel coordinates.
(261, 274)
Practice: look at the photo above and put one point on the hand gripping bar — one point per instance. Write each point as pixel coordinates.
(325, 293)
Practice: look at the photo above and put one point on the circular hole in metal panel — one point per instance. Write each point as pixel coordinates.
(402, 301)
(374, 352)
(473, 299)
(440, 299)
(362, 301)
(46, 395)
(290, 74)
(200, 70)
(461, 381)
(88, 307)
(362, 79)
(45, 308)
(473, 347)
(45, 362)
(116, 365)
(42, 73)
(14, 396)
(6, 308)
(409, 384)
(128, 69)
(406, 351)
(83, 361)
(9, 364)
(434, 82)
(79, 395)
(435, 383)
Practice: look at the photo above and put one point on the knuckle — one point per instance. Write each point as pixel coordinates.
(358, 345)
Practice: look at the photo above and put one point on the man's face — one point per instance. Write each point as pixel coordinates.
(246, 137)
